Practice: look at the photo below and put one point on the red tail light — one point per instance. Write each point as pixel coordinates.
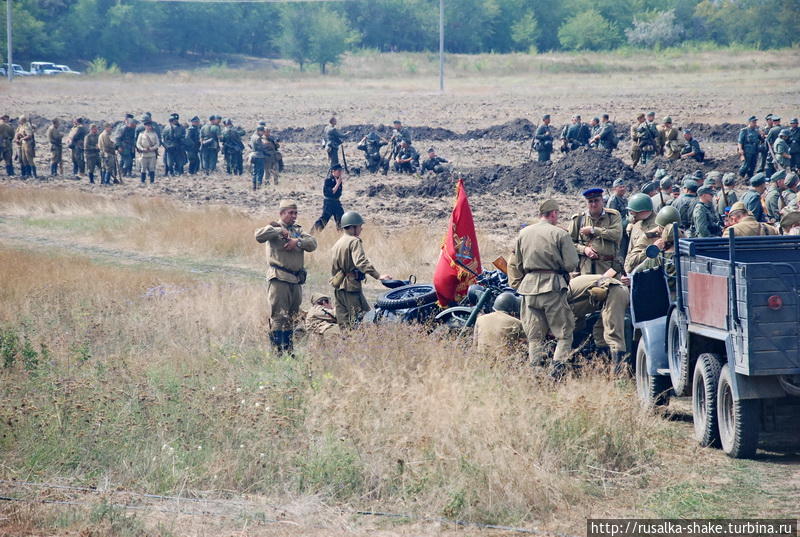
(774, 302)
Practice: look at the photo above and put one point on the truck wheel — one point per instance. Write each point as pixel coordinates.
(704, 399)
(653, 391)
(408, 296)
(739, 421)
(679, 370)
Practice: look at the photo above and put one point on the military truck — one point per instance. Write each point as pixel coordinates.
(725, 332)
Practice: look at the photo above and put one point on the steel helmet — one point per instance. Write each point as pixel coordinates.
(507, 302)
(351, 218)
(667, 215)
(640, 202)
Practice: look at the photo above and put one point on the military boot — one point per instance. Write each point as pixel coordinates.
(288, 342)
(152, 177)
(621, 365)
(10, 170)
(33, 172)
(276, 339)
(144, 177)
(53, 170)
(91, 177)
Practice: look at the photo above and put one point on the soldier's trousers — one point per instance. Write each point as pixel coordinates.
(646, 156)
(330, 208)
(78, 162)
(609, 331)
(548, 312)
(350, 307)
(92, 162)
(333, 156)
(56, 156)
(7, 155)
(194, 161)
(108, 165)
(258, 171)
(209, 159)
(284, 304)
(795, 163)
(763, 153)
(126, 159)
(271, 168)
(748, 167)
(173, 160)
(544, 156)
(636, 154)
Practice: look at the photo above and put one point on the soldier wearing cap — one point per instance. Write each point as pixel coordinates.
(25, 138)
(665, 190)
(617, 199)
(604, 136)
(771, 136)
(637, 129)
(91, 151)
(744, 225)
(333, 139)
(287, 244)
(748, 142)
(500, 334)
(539, 269)
(640, 208)
(691, 147)
(191, 143)
(257, 156)
(53, 136)
(125, 141)
(575, 135)
(596, 234)
(651, 189)
(371, 145)
(147, 146)
(781, 150)
(232, 147)
(705, 220)
(7, 144)
(752, 198)
(108, 156)
(686, 202)
(763, 147)
(172, 138)
(331, 193)
(434, 163)
(209, 144)
(790, 223)
(75, 144)
(669, 140)
(794, 144)
(543, 139)
(321, 318)
(773, 199)
(726, 196)
(350, 267)
(792, 183)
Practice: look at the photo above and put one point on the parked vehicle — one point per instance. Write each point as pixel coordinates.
(43, 68)
(16, 69)
(65, 69)
(727, 336)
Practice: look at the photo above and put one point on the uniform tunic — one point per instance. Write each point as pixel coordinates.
(498, 335)
(605, 240)
(350, 260)
(750, 227)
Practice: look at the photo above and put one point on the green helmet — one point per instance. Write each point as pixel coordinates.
(660, 172)
(507, 302)
(667, 215)
(351, 218)
(640, 202)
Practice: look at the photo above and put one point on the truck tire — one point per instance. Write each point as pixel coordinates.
(653, 391)
(408, 296)
(704, 399)
(739, 421)
(679, 369)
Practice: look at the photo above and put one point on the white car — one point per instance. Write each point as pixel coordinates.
(43, 68)
(16, 69)
(64, 69)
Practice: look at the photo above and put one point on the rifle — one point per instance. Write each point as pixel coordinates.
(772, 153)
(344, 161)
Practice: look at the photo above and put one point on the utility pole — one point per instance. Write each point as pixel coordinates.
(9, 71)
(441, 45)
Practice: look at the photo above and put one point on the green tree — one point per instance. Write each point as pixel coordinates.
(295, 38)
(525, 31)
(588, 31)
(330, 38)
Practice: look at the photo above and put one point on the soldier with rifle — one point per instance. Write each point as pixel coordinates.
(543, 140)
(209, 144)
(726, 198)
(575, 135)
(772, 136)
(332, 140)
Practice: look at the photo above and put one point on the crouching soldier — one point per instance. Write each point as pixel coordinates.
(321, 319)
(434, 163)
(500, 334)
(286, 248)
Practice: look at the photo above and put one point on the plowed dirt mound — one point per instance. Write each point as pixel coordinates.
(679, 168)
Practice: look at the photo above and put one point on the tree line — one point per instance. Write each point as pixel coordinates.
(131, 32)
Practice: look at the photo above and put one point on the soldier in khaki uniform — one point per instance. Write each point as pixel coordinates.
(500, 334)
(7, 144)
(596, 234)
(544, 255)
(670, 140)
(350, 267)
(321, 319)
(640, 207)
(744, 224)
(25, 138)
(589, 293)
(108, 155)
(54, 136)
(91, 151)
(286, 248)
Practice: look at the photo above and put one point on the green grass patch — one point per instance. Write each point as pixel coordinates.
(80, 224)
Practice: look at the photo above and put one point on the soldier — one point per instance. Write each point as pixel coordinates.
(333, 140)
(651, 189)
(790, 223)
(351, 267)
(209, 144)
(676, 193)
(705, 220)
(147, 146)
(434, 163)
(331, 192)
(636, 129)
(691, 149)
(617, 200)
(286, 248)
(539, 270)
(752, 198)
(321, 318)
(794, 144)
(772, 136)
(126, 142)
(371, 146)
(499, 334)
(726, 198)
(773, 200)
(744, 225)
(763, 147)
(399, 134)
(686, 202)
(54, 136)
(748, 142)
(232, 147)
(655, 133)
(575, 135)
(407, 159)
(590, 293)
(191, 144)
(91, 151)
(596, 234)
(25, 138)
(640, 209)
(108, 155)
(172, 138)
(664, 197)
(543, 139)
(257, 156)
(790, 194)
(605, 139)
(75, 138)
(781, 151)
(594, 130)
(7, 144)
(273, 160)
(669, 140)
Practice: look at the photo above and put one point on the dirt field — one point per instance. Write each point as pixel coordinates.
(192, 236)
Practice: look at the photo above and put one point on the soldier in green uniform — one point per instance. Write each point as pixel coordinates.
(686, 202)
(539, 269)
(500, 335)
(75, 138)
(705, 220)
(790, 194)
(669, 140)
(655, 133)
(172, 138)
(726, 196)
(752, 198)
(54, 136)
(108, 155)
(7, 144)
(350, 267)
(25, 138)
(596, 234)
(191, 144)
(333, 140)
(273, 160)
(126, 142)
(781, 150)
(321, 318)
(605, 136)
(640, 209)
(575, 135)
(287, 244)
(617, 199)
(773, 199)
(257, 155)
(691, 148)
(794, 144)
(763, 147)
(748, 142)
(232, 147)
(407, 159)
(772, 135)
(371, 145)
(434, 163)
(665, 190)
(543, 139)
(91, 151)
(209, 144)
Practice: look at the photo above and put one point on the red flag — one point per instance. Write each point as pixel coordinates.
(460, 259)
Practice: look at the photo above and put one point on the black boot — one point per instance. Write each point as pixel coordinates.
(621, 365)
(33, 172)
(152, 177)
(53, 169)
(91, 178)
(288, 342)
(276, 339)
(144, 177)
(10, 170)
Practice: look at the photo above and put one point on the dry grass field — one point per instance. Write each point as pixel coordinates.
(136, 373)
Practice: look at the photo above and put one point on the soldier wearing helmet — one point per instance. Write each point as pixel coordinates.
(726, 195)
(371, 145)
(321, 318)
(640, 209)
(351, 267)
(500, 334)
(781, 150)
(666, 219)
